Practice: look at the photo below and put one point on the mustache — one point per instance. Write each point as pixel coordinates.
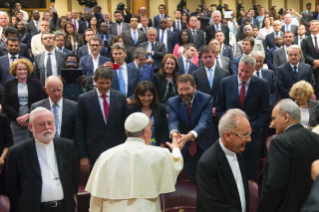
(47, 131)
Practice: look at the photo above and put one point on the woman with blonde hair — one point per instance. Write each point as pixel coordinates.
(302, 92)
(18, 96)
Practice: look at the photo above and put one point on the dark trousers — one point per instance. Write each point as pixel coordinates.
(190, 162)
(59, 208)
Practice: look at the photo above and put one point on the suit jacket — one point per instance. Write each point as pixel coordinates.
(297, 40)
(293, 28)
(32, 29)
(82, 27)
(286, 77)
(305, 18)
(113, 28)
(312, 203)
(171, 41)
(130, 45)
(86, 64)
(26, 39)
(160, 84)
(225, 63)
(160, 51)
(308, 50)
(286, 173)
(160, 122)
(84, 50)
(23, 166)
(6, 137)
(39, 70)
(134, 77)
(281, 59)
(216, 186)
(10, 96)
(93, 136)
(191, 67)
(270, 58)
(210, 33)
(235, 64)
(156, 21)
(199, 40)
(24, 52)
(182, 26)
(109, 39)
(147, 72)
(269, 76)
(270, 40)
(228, 52)
(255, 22)
(66, 51)
(68, 116)
(257, 47)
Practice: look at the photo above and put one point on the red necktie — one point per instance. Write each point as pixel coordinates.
(105, 107)
(242, 94)
(193, 147)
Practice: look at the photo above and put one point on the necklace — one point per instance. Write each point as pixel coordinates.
(55, 175)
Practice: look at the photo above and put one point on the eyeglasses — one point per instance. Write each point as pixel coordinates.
(244, 137)
(94, 45)
(299, 95)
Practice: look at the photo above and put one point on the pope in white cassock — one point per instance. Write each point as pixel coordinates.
(131, 176)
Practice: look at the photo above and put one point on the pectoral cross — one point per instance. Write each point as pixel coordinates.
(55, 178)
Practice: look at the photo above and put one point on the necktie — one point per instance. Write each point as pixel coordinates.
(277, 34)
(186, 66)
(74, 23)
(150, 56)
(134, 37)
(60, 50)
(120, 30)
(217, 28)
(37, 25)
(287, 29)
(178, 26)
(194, 34)
(295, 72)
(316, 44)
(56, 119)
(122, 82)
(2, 40)
(145, 30)
(105, 107)
(162, 37)
(242, 94)
(104, 38)
(49, 65)
(258, 75)
(193, 147)
(210, 78)
(300, 41)
(13, 58)
(217, 62)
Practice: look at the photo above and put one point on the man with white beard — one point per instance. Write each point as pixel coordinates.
(42, 173)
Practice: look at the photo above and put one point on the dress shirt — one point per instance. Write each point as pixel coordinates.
(246, 86)
(125, 75)
(171, 29)
(117, 26)
(219, 60)
(192, 32)
(234, 166)
(51, 189)
(180, 24)
(219, 27)
(35, 24)
(77, 24)
(57, 48)
(184, 62)
(294, 21)
(53, 62)
(101, 102)
(304, 117)
(10, 60)
(132, 34)
(279, 34)
(292, 67)
(299, 37)
(25, 16)
(95, 62)
(149, 48)
(165, 37)
(59, 110)
(213, 71)
(161, 16)
(313, 40)
(255, 73)
(89, 51)
(285, 27)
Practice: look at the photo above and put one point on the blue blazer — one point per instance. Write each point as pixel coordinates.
(147, 72)
(26, 39)
(66, 51)
(270, 58)
(134, 77)
(315, 16)
(171, 41)
(235, 64)
(269, 76)
(86, 64)
(191, 69)
(156, 21)
(228, 52)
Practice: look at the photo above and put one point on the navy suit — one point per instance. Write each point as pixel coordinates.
(270, 40)
(24, 52)
(82, 27)
(201, 123)
(270, 58)
(171, 41)
(156, 21)
(228, 52)
(26, 39)
(86, 64)
(66, 51)
(256, 106)
(315, 16)
(286, 77)
(269, 76)
(235, 64)
(191, 67)
(134, 77)
(147, 71)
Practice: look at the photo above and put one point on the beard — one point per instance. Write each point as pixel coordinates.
(41, 137)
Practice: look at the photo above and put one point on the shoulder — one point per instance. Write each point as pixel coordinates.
(227, 80)
(70, 102)
(117, 94)
(143, 43)
(305, 66)
(64, 143)
(86, 95)
(209, 156)
(173, 100)
(203, 96)
(132, 109)
(38, 103)
(17, 149)
(132, 68)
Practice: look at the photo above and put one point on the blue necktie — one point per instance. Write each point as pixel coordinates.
(295, 72)
(122, 82)
(162, 37)
(210, 78)
(178, 27)
(217, 28)
(104, 38)
(60, 49)
(187, 64)
(217, 62)
(134, 37)
(277, 34)
(56, 119)
(287, 28)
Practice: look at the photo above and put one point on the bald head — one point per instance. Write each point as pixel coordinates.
(54, 88)
(143, 11)
(107, 16)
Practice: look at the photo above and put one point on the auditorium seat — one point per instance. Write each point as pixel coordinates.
(261, 164)
(268, 141)
(253, 196)
(4, 204)
(183, 177)
(83, 197)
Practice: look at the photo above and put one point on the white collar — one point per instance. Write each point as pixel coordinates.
(151, 43)
(99, 94)
(240, 82)
(213, 67)
(59, 103)
(292, 66)
(47, 52)
(43, 145)
(226, 151)
(9, 55)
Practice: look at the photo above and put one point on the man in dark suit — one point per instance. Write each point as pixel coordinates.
(49, 62)
(133, 37)
(140, 56)
(288, 26)
(190, 117)
(119, 26)
(253, 20)
(60, 42)
(145, 24)
(316, 14)
(75, 20)
(247, 47)
(143, 14)
(104, 36)
(50, 166)
(251, 94)
(286, 173)
(217, 26)
(185, 65)
(100, 119)
(85, 24)
(293, 71)
(225, 50)
(301, 31)
(106, 19)
(170, 27)
(155, 50)
(66, 109)
(222, 183)
(162, 15)
(85, 50)
(220, 61)
(166, 36)
(197, 37)
(178, 23)
(270, 38)
(270, 53)
(126, 78)
(33, 26)
(310, 51)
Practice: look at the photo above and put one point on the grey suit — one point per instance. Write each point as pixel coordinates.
(226, 64)
(259, 46)
(113, 28)
(199, 40)
(305, 19)
(130, 45)
(280, 58)
(32, 29)
(39, 70)
(160, 51)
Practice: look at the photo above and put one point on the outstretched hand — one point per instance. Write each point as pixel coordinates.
(175, 141)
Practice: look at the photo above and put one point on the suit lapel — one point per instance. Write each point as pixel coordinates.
(58, 60)
(33, 156)
(204, 79)
(194, 109)
(59, 153)
(65, 115)
(291, 72)
(47, 104)
(251, 87)
(183, 111)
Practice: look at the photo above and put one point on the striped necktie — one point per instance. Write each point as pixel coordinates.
(2, 40)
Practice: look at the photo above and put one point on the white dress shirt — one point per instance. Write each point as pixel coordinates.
(313, 40)
(125, 75)
(89, 51)
(184, 62)
(149, 48)
(234, 166)
(51, 188)
(53, 62)
(285, 27)
(304, 117)
(165, 37)
(180, 24)
(219, 27)
(95, 62)
(101, 100)
(9, 56)
(255, 73)
(299, 39)
(59, 110)
(292, 67)
(246, 85)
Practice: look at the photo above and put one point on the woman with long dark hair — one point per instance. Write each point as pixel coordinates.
(24, 36)
(61, 24)
(93, 25)
(73, 41)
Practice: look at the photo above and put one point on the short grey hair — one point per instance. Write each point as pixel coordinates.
(58, 34)
(139, 51)
(228, 120)
(119, 46)
(248, 60)
(287, 14)
(3, 13)
(260, 54)
(37, 110)
(150, 29)
(290, 107)
(248, 26)
(294, 47)
(216, 12)
(45, 22)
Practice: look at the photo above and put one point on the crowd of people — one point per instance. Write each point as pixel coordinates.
(212, 89)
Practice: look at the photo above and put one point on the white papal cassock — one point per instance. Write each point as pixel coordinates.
(131, 176)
